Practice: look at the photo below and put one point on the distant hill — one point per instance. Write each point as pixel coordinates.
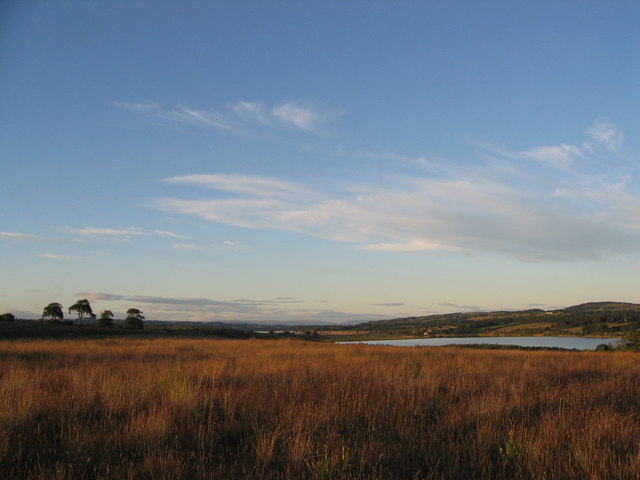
(595, 318)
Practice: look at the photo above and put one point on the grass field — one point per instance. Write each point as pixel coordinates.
(183, 409)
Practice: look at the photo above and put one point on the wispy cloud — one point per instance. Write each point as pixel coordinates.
(297, 115)
(18, 236)
(111, 232)
(253, 112)
(164, 233)
(393, 304)
(607, 134)
(241, 116)
(122, 232)
(231, 245)
(205, 309)
(602, 135)
(560, 156)
(241, 302)
(209, 118)
(252, 185)
(412, 246)
(53, 256)
(176, 303)
(478, 209)
(203, 118)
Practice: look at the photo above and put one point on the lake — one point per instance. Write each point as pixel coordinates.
(578, 343)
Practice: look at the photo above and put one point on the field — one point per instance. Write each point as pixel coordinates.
(182, 409)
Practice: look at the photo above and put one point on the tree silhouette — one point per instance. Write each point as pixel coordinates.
(106, 319)
(82, 308)
(53, 312)
(134, 319)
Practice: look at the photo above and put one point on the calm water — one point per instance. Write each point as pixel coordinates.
(578, 343)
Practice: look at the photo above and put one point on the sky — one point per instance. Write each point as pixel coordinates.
(318, 161)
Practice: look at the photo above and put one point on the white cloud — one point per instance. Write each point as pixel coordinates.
(252, 112)
(112, 232)
(122, 232)
(252, 185)
(53, 256)
(18, 236)
(249, 213)
(298, 115)
(427, 215)
(164, 233)
(239, 117)
(413, 246)
(560, 156)
(231, 245)
(620, 206)
(204, 118)
(606, 134)
(564, 156)
(515, 210)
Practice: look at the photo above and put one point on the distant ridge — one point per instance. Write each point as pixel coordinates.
(606, 318)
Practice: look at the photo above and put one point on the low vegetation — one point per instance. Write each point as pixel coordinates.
(284, 409)
(595, 318)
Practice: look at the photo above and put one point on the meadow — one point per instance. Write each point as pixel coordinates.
(288, 409)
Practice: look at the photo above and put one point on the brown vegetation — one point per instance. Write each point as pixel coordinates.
(178, 409)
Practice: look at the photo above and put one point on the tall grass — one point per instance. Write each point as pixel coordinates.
(183, 409)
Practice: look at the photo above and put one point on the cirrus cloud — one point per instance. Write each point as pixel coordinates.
(252, 185)
(607, 134)
(240, 117)
(18, 236)
(111, 232)
(516, 211)
(53, 256)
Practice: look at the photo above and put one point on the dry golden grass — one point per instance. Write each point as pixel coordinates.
(200, 409)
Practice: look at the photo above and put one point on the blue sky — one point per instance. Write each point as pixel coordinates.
(318, 161)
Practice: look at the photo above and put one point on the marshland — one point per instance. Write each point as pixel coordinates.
(292, 409)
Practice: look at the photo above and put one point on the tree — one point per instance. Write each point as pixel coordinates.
(82, 308)
(134, 319)
(53, 312)
(7, 317)
(631, 341)
(106, 319)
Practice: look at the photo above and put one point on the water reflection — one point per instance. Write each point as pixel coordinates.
(577, 343)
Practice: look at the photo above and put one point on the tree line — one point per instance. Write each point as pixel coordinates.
(54, 313)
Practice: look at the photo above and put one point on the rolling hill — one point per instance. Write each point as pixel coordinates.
(595, 318)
